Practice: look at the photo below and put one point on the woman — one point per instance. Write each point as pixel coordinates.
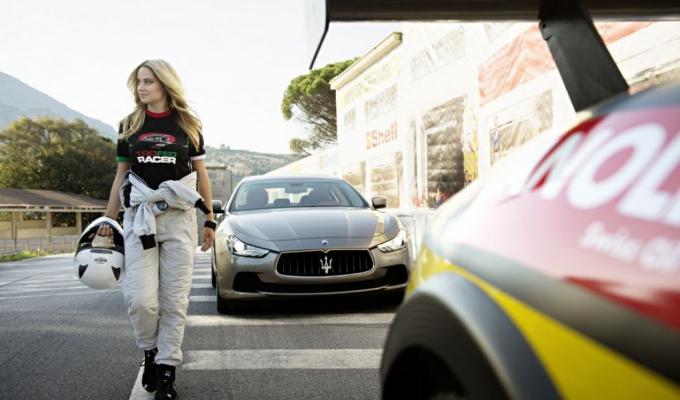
(160, 154)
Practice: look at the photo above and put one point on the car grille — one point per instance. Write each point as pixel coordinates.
(249, 282)
(318, 263)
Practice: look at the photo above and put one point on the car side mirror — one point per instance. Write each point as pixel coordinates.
(217, 207)
(379, 202)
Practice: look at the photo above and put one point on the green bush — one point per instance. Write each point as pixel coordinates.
(24, 254)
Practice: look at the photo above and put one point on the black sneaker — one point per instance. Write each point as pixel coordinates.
(166, 383)
(150, 375)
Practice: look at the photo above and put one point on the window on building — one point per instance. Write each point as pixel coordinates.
(63, 219)
(385, 179)
(450, 47)
(381, 103)
(350, 119)
(443, 127)
(87, 218)
(518, 123)
(33, 216)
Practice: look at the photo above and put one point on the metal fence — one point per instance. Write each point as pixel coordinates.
(61, 244)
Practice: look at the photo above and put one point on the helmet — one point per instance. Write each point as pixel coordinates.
(99, 263)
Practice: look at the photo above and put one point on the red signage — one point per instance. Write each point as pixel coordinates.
(377, 137)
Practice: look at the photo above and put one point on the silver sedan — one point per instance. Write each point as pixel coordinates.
(293, 236)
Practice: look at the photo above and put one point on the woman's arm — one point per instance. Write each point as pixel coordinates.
(206, 192)
(113, 207)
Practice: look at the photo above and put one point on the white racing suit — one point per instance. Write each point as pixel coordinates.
(160, 243)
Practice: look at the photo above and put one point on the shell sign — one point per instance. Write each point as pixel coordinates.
(378, 137)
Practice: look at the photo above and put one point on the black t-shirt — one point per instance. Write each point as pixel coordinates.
(160, 150)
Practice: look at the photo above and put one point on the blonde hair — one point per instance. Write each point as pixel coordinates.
(186, 117)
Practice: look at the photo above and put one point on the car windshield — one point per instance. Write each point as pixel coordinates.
(274, 194)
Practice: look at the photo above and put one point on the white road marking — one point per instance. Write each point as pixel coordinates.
(283, 359)
(41, 281)
(202, 299)
(138, 392)
(201, 286)
(39, 262)
(329, 319)
(59, 294)
(19, 290)
(25, 268)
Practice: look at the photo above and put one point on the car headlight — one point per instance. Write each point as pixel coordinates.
(397, 243)
(239, 248)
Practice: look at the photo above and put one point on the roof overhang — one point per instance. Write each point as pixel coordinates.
(362, 64)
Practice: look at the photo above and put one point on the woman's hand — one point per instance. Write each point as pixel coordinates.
(104, 230)
(208, 238)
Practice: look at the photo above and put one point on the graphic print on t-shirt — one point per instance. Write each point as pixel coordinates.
(160, 150)
(160, 140)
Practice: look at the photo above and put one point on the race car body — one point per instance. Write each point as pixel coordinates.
(558, 274)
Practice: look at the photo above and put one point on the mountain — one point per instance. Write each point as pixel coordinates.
(17, 100)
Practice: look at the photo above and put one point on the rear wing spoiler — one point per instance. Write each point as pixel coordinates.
(486, 10)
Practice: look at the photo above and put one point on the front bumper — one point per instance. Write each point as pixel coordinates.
(244, 278)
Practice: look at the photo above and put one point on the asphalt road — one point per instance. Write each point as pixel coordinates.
(62, 340)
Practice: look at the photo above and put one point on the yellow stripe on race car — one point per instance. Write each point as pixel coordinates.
(580, 367)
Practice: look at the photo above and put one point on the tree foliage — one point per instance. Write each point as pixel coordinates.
(310, 100)
(54, 154)
(299, 146)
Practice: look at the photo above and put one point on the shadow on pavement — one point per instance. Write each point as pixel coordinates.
(322, 305)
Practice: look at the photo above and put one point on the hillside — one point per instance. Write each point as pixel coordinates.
(17, 100)
(243, 163)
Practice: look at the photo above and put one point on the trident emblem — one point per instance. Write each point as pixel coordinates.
(326, 265)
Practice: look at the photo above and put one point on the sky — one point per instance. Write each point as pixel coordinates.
(235, 57)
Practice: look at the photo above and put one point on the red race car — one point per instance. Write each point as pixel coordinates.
(558, 275)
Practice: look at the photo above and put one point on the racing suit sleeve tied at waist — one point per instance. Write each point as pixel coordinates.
(145, 203)
(201, 206)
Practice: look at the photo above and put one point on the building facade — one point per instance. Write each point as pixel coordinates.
(431, 108)
(220, 181)
(45, 219)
